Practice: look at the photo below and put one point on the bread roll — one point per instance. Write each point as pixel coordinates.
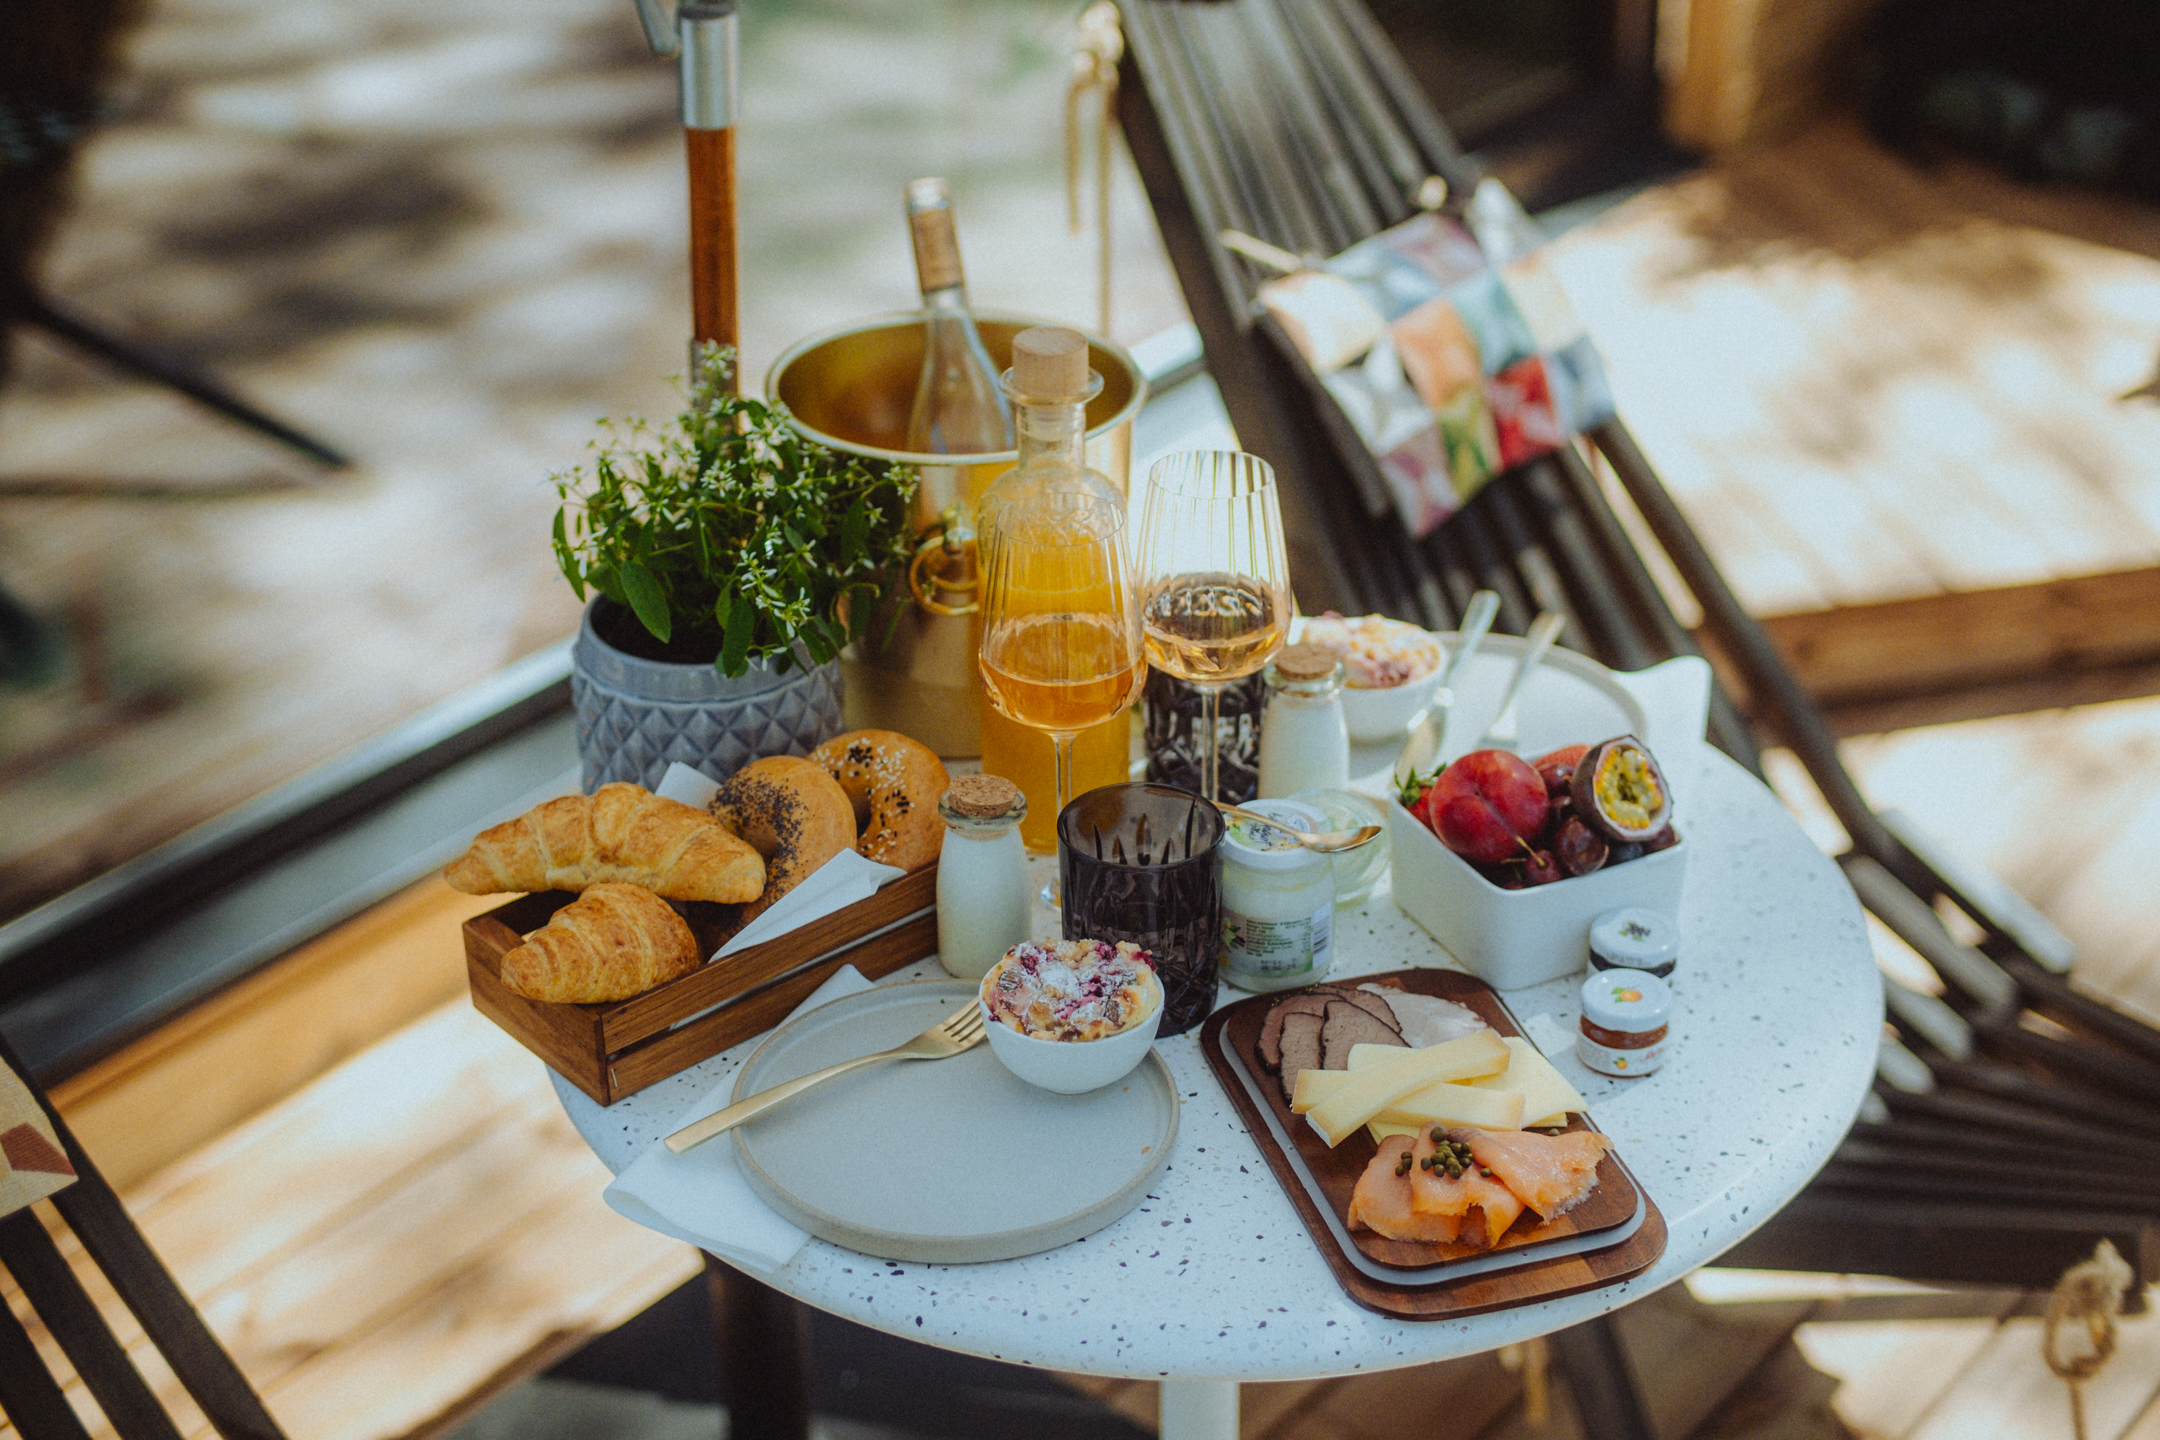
(894, 783)
(622, 834)
(611, 943)
(792, 813)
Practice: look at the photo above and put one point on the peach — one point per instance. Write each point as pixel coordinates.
(1487, 806)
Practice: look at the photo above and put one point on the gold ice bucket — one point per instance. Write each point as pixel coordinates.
(852, 389)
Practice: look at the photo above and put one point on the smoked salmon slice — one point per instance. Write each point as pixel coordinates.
(1481, 1209)
(1381, 1201)
(1549, 1173)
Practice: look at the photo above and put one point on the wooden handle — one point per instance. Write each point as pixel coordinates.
(713, 311)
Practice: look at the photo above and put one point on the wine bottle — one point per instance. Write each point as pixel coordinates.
(957, 410)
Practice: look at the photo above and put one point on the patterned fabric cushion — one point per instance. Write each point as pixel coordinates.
(32, 1164)
(1450, 348)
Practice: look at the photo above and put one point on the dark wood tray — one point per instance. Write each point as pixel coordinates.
(1611, 1207)
(618, 1049)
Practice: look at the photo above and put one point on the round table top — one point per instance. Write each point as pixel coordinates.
(1777, 1011)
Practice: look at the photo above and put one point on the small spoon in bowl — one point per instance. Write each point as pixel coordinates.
(1327, 842)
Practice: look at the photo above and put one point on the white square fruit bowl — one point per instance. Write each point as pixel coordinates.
(1513, 938)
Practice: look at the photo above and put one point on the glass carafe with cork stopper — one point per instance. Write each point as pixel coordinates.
(1049, 387)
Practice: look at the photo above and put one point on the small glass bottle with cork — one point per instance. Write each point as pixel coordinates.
(982, 889)
(1304, 742)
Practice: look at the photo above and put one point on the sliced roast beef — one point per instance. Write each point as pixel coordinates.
(1300, 1048)
(1347, 1024)
(1373, 1005)
(1304, 1002)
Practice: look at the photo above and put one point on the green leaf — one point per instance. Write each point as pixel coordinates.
(646, 598)
(735, 641)
(854, 533)
(566, 559)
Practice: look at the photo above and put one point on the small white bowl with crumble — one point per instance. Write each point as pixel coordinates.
(1072, 1015)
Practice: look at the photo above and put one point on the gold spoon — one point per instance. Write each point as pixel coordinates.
(1327, 842)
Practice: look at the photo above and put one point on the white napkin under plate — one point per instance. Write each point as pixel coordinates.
(839, 882)
(701, 1197)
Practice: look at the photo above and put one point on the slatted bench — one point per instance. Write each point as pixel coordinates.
(397, 1240)
(2010, 1048)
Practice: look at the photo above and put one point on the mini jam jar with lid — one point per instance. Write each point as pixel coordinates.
(1633, 938)
(1278, 900)
(1624, 1022)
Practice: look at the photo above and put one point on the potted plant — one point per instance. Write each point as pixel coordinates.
(725, 560)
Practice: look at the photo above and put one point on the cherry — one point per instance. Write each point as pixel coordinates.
(1579, 849)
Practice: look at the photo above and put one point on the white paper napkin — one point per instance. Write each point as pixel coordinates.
(686, 786)
(840, 881)
(701, 1197)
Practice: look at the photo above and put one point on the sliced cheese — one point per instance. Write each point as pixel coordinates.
(1545, 1092)
(1313, 1086)
(1447, 1104)
(1372, 1057)
(1384, 1130)
(1367, 1092)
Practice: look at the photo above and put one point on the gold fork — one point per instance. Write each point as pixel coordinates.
(942, 1041)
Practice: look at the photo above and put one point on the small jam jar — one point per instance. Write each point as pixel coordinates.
(1635, 939)
(1624, 1022)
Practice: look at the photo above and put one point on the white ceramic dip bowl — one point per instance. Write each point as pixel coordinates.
(1073, 1067)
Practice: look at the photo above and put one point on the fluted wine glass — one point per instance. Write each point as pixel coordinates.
(1061, 648)
(1215, 581)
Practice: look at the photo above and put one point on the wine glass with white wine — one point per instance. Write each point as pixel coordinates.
(1215, 581)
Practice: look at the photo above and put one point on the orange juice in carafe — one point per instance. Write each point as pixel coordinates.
(1102, 755)
(1063, 653)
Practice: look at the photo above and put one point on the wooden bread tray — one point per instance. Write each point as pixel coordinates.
(609, 1051)
(1229, 1039)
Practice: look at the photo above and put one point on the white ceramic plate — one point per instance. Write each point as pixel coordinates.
(943, 1161)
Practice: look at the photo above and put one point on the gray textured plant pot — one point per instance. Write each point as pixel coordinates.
(635, 717)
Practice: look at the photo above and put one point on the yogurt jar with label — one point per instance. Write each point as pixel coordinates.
(1278, 900)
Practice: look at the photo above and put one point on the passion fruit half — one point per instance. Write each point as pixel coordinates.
(1619, 791)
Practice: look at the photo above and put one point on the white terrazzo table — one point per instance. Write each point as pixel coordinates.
(1213, 1278)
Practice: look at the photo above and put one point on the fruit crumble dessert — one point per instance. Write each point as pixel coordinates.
(1072, 989)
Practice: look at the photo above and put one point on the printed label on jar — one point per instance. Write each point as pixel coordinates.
(1272, 949)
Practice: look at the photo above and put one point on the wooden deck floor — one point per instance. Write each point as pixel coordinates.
(1866, 382)
(445, 238)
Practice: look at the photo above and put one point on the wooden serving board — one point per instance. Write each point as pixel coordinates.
(1229, 1040)
(618, 1049)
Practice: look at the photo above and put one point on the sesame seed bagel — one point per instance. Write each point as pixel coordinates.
(893, 783)
(789, 811)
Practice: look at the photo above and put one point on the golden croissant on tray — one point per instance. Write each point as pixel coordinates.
(618, 834)
(611, 943)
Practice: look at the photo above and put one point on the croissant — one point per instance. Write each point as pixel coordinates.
(623, 834)
(611, 943)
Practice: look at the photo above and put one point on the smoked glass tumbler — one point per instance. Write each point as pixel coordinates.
(1144, 863)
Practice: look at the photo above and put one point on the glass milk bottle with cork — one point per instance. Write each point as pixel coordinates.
(982, 889)
(1304, 743)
